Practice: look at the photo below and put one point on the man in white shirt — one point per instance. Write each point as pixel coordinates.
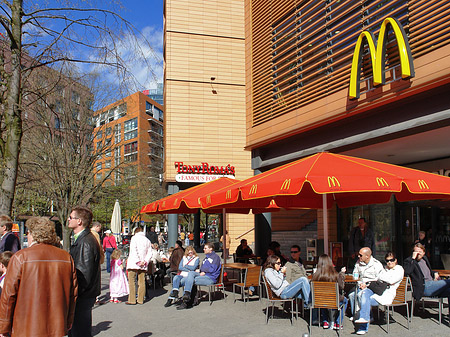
(137, 264)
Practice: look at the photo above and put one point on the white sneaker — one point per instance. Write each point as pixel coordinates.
(361, 320)
(361, 332)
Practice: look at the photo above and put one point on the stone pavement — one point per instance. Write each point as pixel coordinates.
(225, 318)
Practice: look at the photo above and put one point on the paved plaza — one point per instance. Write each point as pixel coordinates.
(225, 318)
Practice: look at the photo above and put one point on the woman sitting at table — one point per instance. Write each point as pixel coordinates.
(189, 262)
(275, 276)
(392, 274)
(327, 273)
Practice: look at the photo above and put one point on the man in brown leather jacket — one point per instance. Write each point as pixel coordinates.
(85, 252)
(40, 288)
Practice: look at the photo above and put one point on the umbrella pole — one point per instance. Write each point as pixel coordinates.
(325, 223)
(224, 230)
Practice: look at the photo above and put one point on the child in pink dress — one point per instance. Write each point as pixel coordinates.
(118, 283)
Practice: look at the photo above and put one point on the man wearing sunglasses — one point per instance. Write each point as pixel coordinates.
(294, 266)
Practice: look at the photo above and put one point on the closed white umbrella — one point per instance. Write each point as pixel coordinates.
(116, 220)
(157, 229)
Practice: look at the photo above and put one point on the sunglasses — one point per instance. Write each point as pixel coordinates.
(359, 255)
(294, 251)
(278, 263)
(390, 260)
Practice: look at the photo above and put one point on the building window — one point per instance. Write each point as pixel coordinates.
(75, 97)
(108, 153)
(130, 172)
(108, 142)
(99, 134)
(57, 123)
(117, 133)
(130, 129)
(130, 135)
(108, 164)
(130, 152)
(99, 145)
(108, 131)
(99, 166)
(117, 176)
(99, 176)
(76, 115)
(149, 108)
(117, 156)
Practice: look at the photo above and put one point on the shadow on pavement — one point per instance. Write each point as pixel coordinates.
(144, 334)
(102, 326)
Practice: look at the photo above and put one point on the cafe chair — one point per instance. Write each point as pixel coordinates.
(399, 300)
(440, 305)
(272, 299)
(212, 288)
(325, 295)
(252, 279)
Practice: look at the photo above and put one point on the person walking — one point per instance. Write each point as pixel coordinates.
(9, 241)
(40, 288)
(85, 252)
(118, 283)
(109, 244)
(137, 265)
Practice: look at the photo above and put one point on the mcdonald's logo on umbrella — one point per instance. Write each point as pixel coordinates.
(333, 181)
(253, 189)
(377, 55)
(422, 184)
(381, 182)
(286, 184)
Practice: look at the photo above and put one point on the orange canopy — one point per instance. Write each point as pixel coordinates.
(346, 180)
(187, 201)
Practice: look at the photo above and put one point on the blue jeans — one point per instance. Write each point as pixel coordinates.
(366, 303)
(178, 281)
(195, 277)
(440, 288)
(300, 288)
(108, 259)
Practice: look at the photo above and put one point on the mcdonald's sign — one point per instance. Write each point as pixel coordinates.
(377, 55)
(286, 184)
(208, 199)
(253, 189)
(382, 182)
(333, 181)
(422, 184)
(228, 196)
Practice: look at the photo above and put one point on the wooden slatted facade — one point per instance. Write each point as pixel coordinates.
(301, 50)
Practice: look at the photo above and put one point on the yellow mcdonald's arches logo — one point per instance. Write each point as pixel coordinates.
(208, 199)
(377, 55)
(164, 204)
(286, 184)
(253, 189)
(422, 184)
(333, 181)
(382, 182)
(228, 196)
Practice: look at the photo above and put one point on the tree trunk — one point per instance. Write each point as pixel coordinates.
(13, 115)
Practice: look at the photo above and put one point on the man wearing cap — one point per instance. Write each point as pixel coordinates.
(109, 244)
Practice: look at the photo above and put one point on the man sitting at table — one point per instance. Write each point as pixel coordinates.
(425, 281)
(244, 252)
(368, 269)
(294, 266)
(209, 273)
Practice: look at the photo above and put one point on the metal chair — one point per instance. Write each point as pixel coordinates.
(399, 300)
(252, 279)
(325, 295)
(440, 305)
(272, 298)
(213, 287)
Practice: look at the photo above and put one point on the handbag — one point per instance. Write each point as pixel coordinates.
(378, 287)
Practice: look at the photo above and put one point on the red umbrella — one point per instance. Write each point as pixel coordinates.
(320, 180)
(187, 201)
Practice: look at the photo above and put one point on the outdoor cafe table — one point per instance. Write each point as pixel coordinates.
(239, 266)
(443, 272)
